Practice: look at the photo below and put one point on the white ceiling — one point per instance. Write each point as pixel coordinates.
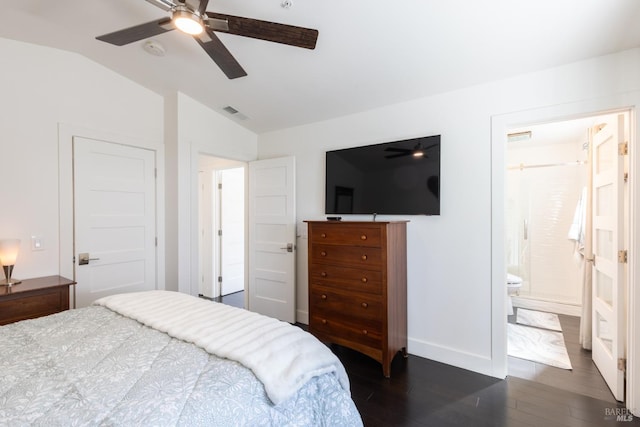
(369, 53)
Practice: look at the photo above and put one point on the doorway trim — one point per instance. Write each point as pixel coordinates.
(216, 165)
(499, 126)
(194, 212)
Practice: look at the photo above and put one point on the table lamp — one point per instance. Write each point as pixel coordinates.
(9, 249)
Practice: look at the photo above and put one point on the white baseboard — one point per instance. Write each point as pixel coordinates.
(469, 361)
(302, 317)
(449, 356)
(548, 306)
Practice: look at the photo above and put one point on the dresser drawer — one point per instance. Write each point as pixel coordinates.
(29, 305)
(355, 307)
(353, 332)
(346, 234)
(354, 279)
(352, 256)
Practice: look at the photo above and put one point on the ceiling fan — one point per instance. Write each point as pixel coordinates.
(191, 17)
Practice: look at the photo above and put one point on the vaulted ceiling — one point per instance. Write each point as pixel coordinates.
(368, 54)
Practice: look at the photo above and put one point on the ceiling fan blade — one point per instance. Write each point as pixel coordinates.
(393, 156)
(220, 55)
(269, 31)
(398, 150)
(139, 32)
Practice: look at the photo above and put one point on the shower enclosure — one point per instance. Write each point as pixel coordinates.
(541, 208)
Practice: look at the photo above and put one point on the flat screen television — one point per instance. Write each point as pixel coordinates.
(393, 178)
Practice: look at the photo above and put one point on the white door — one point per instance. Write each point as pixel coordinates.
(608, 274)
(206, 243)
(114, 219)
(272, 238)
(231, 230)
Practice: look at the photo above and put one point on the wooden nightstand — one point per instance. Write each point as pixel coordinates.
(34, 298)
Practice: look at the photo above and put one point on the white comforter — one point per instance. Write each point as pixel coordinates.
(283, 357)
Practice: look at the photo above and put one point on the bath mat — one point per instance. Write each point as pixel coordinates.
(537, 345)
(538, 319)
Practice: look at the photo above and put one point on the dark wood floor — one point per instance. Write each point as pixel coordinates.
(235, 299)
(422, 392)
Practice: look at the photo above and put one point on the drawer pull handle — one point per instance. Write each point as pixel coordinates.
(324, 321)
(365, 305)
(323, 253)
(364, 331)
(323, 296)
(323, 274)
(323, 235)
(364, 280)
(364, 257)
(363, 237)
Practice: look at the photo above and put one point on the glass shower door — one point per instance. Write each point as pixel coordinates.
(518, 227)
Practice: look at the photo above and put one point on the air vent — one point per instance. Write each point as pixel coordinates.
(235, 113)
(229, 109)
(519, 136)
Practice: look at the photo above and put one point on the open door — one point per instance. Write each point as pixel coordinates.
(272, 223)
(608, 312)
(231, 230)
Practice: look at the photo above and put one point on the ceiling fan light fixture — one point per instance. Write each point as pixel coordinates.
(187, 21)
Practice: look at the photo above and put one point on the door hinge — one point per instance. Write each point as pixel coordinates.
(219, 186)
(623, 148)
(156, 242)
(219, 279)
(622, 364)
(219, 232)
(155, 172)
(626, 177)
(622, 256)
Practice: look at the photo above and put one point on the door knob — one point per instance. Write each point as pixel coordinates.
(289, 247)
(84, 258)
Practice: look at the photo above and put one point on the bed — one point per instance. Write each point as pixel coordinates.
(163, 358)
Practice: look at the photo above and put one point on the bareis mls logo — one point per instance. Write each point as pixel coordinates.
(618, 414)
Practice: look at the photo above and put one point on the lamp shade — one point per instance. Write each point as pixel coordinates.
(9, 249)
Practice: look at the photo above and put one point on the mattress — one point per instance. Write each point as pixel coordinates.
(96, 367)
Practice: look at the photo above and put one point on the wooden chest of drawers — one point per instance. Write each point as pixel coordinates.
(358, 286)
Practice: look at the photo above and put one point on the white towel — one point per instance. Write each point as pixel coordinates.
(576, 230)
(283, 357)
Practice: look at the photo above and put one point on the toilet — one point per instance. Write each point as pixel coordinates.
(514, 283)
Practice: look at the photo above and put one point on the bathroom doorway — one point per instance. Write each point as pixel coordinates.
(545, 181)
(545, 201)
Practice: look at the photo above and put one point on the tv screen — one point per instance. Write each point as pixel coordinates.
(394, 178)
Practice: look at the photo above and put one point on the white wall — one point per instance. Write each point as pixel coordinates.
(450, 310)
(41, 91)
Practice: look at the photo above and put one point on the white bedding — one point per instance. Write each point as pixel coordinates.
(283, 357)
